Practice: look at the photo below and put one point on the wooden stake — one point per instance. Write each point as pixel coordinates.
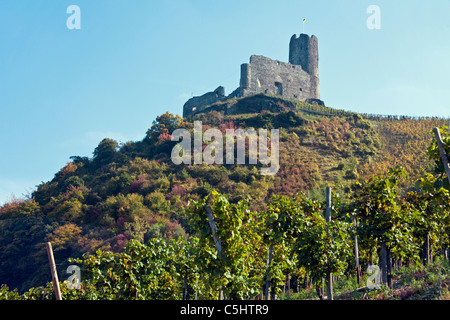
(269, 260)
(51, 260)
(217, 243)
(389, 267)
(328, 210)
(288, 284)
(358, 269)
(444, 155)
(212, 225)
(328, 220)
(196, 284)
(383, 263)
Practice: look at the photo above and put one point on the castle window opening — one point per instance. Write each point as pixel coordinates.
(279, 88)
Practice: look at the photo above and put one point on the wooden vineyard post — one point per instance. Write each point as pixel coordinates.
(444, 155)
(383, 263)
(445, 162)
(269, 259)
(217, 243)
(358, 268)
(184, 297)
(288, 285)
(212, 225)
(328, 220)
(51, 260)
(185, 286)
(196, 284)
(328, 203)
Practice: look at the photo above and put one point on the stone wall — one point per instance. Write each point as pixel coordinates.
(252, 104)
(195, 104)
(264, 75)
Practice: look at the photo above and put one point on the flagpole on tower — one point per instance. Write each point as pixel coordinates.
(304, 20)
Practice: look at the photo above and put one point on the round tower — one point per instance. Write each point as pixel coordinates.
(246, 76)
(304, 51)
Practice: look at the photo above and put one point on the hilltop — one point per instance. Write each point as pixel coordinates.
(134, 191)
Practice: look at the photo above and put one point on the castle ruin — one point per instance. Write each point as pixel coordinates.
(296, 80)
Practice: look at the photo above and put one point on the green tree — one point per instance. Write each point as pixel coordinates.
(166, 124)
(105, 152)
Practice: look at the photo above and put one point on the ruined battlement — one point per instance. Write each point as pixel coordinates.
(264, 75)
(297, 79)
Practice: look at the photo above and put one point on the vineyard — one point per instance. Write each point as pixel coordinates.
(253, 254)
(141, 228)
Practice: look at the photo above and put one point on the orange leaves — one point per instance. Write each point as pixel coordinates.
(163, 137)
(68, 169)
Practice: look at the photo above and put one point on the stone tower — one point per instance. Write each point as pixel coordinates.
(304, 51)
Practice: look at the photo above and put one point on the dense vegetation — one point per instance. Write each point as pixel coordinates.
(137, 223)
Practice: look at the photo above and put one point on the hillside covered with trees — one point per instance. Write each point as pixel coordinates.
(129, 206)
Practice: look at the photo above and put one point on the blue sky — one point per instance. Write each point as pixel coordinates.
(62, 91)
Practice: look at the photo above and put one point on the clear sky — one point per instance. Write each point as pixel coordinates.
(62, 91)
